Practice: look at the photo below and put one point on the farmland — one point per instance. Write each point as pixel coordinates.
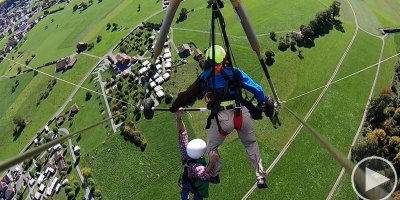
(122, 170)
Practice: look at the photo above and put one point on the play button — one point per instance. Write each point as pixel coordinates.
(374, 178)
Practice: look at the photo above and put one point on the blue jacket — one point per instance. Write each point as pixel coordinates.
(220, 82)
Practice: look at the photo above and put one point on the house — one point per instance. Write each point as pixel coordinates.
(7, 178)
(61, 165)
(31, 182)
(64, 63)
(143, 70)
(49, 168)
(167, 55)
(158, 66)
(77, 149)
(198, 54)
(160, 94)
(153, 84)
(166, 76)
(74, 108)
(58, 187)
(123, 59)
(40, 179)
(51, 186)
(167, 65)
(60, 121)
(155, 76)
(146, 63)
(10, 192)
(81, 46)
(166, 50)
(168, 60)
(3, 187)
(158, 88)
(159, 80)
(184, 51)
(125, 73)
(46, 129)
(41, 188)
(58, 156)
(37, 196)
(57, 147)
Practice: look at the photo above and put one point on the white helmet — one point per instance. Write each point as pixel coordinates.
(196, 148)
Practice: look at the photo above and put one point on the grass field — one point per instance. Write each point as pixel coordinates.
(337, 118)
(23, 103)
(122, 171)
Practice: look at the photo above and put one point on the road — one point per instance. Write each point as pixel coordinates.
(78, 170)
(299, 128)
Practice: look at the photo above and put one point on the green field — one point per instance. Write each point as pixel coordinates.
(23, 103)
(122, 171)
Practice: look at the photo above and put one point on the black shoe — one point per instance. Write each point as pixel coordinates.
(261, 183)
(215, 179)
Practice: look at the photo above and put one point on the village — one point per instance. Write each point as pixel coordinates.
(47, 174)
(17, 20)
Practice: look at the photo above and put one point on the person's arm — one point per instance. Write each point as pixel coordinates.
(187, 97)
(251, 86)
(182, 136)
(204, 173)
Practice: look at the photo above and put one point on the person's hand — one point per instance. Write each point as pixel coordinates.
(267, 106)
(179, 113)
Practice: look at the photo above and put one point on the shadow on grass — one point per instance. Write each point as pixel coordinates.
(17, 132)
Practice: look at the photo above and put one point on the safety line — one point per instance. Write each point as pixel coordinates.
(341, 79)
(65, 81)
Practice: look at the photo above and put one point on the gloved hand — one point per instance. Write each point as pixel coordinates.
(267, 106)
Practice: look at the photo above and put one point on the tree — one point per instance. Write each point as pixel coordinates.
(272, 35)
(307, 32)
(68, 189)
(46, 12)
(76, 183)
(84, 5)
(108, 26)
(335, 9)
(269, 54)
(182, 15)
(100, 1)
(115, 26)
(90, 46)
(71, 195)
(88, 95)
(75, 8)
(97, 193)
(90, 181)
(364, 148)
(138, 8)
(300, 54)
(19, 121)
(99, 37)
(86, 172)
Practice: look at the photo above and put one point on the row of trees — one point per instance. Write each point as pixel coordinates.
(46, 93)
(323, 22)
(381, 129)
(130, 132)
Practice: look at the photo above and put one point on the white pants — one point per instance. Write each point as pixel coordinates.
(246, 135)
